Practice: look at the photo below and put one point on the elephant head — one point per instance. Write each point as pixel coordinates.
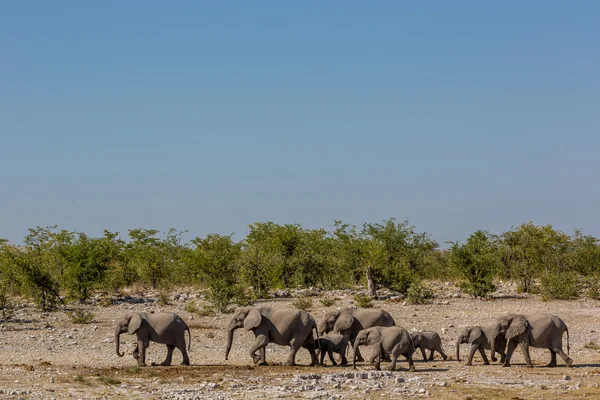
(469, 335)
(509, 326)
(328, 322)
(243, 317)
(416, 338)
(130, 324)
(366, 337)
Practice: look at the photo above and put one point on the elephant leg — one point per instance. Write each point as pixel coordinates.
(294, 347)
(431, 355)
(423, 352)
(136, 352)
(552, 362)
(485, 359)
(260, 343)
(376, 355)
(142, 353)
(472, 351)
(311, 345)
(344, 359)
(330, 353)
(525, 349)
(263, 355)
(358, 356)
(168, 360)
(439, 350)
(322, 356)
(394, 357)
(502, 357)
(512, 345)
(181, 346)
(411, 364)
(568, 360)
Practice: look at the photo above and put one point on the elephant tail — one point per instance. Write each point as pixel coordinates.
(189, 338)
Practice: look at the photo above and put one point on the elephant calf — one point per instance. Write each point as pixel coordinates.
(479, 337)
(333, 343)
(392, 340)
(428, 340)
(165, 328)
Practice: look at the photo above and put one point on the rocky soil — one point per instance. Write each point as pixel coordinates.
(45, 356)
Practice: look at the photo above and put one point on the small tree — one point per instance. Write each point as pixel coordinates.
(216, 260)
(476, 261)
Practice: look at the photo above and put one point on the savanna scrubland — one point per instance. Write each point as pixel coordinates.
(62, 292)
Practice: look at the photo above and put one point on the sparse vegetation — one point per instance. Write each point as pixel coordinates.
(107, 380)
(363, 301)
(191, 307)
(54, 262)
(303, 303)
(328, 301)
(560, 286)
(419, 294)
(592, 346)
(81, 316)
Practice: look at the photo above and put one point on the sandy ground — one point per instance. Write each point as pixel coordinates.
(44, 356)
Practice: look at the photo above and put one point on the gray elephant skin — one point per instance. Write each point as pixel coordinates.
(282, 326)
(350, 321)
(165, 328)
(392, 340)
(479, 339)
(428, 340)
(333, 343)
(541, 330)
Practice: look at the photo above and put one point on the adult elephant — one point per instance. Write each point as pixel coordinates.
(350, 321)
(282, 326)
(165, 328)
(542, 330)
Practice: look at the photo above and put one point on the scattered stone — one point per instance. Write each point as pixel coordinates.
(566, 378)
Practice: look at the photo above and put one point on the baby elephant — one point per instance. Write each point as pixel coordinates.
(392, 340)
(428, 340)
(165, 328)
(333, 343)
(479, 339)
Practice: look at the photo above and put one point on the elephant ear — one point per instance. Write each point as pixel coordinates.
(474, 334)
(135, 322)
(373, 336)
(252, 319)
(343, 322)
(517, 327)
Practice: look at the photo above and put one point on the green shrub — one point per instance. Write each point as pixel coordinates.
(107, 380)
(105, 301)
(328, 301)
(363, 301)
(560, 286)
(207, 311)
(592, 346)
(163, 298)
(593, 288)
(419, 294)
(476, 262)
(81, 316)
(191, 307)
(7, 308)
(303, 303)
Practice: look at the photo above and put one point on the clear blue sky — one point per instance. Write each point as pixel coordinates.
(209, 116)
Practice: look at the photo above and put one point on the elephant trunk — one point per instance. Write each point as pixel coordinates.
(493, 343)
(458, 350)
(117, 340)
(229, 341)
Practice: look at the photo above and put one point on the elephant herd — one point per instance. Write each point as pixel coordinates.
(355, 327)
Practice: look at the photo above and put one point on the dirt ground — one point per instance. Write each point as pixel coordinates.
(45, 356)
